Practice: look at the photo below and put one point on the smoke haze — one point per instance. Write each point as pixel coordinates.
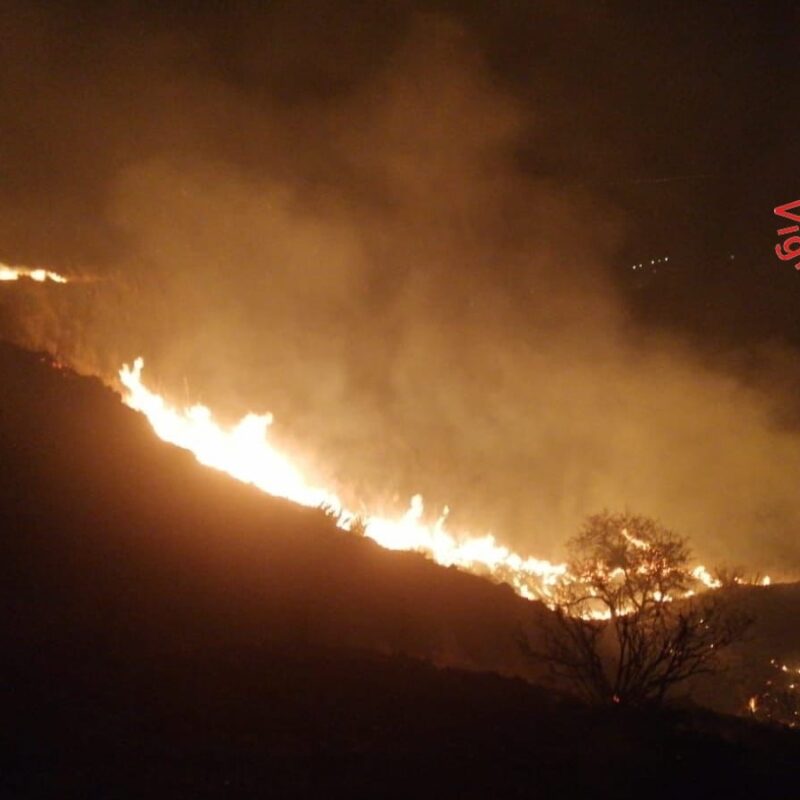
(374, 222)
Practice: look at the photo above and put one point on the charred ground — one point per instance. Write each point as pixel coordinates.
(171, 633)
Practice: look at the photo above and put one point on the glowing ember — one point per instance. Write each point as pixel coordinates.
(245, 453)
(39, 275)
(778, 700)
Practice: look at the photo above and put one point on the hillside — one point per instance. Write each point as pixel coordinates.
(171, 633)
(123, 531)
(774, 637)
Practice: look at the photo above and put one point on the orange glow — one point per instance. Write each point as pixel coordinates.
(244, 452)
(706, 578)
(39, 275)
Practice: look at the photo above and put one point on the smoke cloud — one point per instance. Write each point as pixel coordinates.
(330, 213)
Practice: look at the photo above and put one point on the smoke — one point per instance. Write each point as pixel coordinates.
(328, 214)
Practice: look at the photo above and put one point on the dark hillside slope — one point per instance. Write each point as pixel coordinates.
(169, 633)
(774, 637)
(108, 532)
(255, 723)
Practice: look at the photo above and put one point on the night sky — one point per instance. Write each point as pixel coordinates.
(408, 229)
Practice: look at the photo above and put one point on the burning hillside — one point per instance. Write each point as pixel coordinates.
(245, 453)
(212, 557)
(161, 596)
(419, 264)
(524, 260)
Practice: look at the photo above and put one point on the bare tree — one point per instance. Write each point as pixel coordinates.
(627, 626)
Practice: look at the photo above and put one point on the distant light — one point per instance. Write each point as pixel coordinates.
(653, 262)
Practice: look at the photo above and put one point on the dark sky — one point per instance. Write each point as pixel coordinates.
(408, 229)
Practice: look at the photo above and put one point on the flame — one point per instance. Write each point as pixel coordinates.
(39, 275)
(244, 452)
(701, 574)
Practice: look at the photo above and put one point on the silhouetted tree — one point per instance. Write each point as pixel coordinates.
(626, 626)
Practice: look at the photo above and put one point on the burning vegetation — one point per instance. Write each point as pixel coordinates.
(632, 617)
(627, 626)
(245, 453)
(406, 229)
(39, 275)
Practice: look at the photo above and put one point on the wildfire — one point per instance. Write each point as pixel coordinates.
(39, 275)
(706, 578)
(244, 452)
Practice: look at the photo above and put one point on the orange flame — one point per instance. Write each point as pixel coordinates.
(39, 275)
(244, 452)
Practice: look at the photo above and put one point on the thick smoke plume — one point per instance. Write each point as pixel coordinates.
(339, 223)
